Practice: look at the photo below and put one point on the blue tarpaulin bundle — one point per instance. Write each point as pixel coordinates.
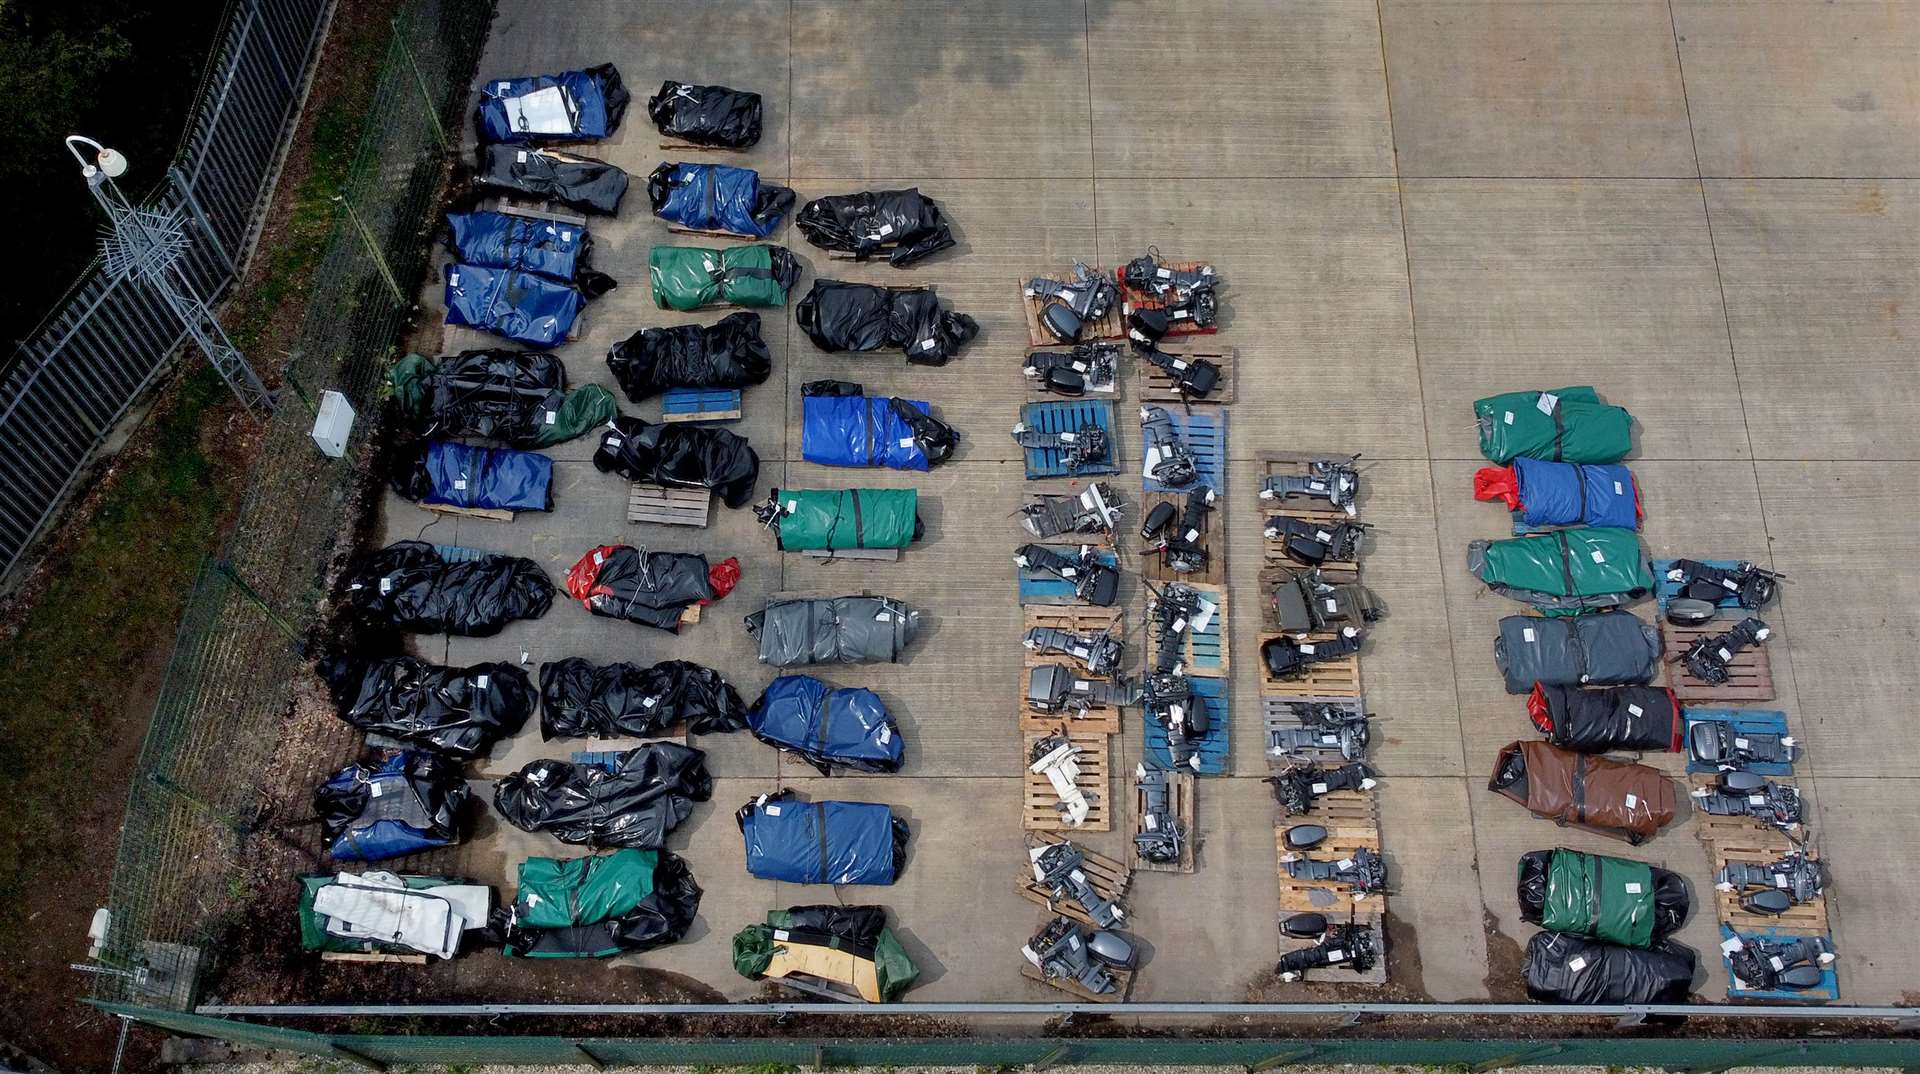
(572, 106)
(1563, 493)
(828, 725)
(852, 429)
(552, 248)
(822, 842)
(462, 475)
(411, 801)
(518, 305)
(716, 197)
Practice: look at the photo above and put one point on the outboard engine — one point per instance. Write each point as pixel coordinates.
(1055, 689)
(1751, 585)
(1315, 543)
(1095, 510)
(1093, 581)
(1162, 838)
(1788, 964)
(1349, 945)
(1099, 653)
(1710, 657)
(1365, 872)
(1168, 459)
(1079, 449)
(1323, 728)
(1089, 367)
(1715, 743)
(1296, 788)
(1087, 298)
(1744, 794)
(1058, 866)
(1288, 657)
(1335, 480)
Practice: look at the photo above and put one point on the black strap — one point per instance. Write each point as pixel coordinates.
(710, 222)
(820, 825)
(1566, 560)
(1559, 433)
(826, 713)
(1594, 888)
(867, 410)
(1579, 482)
(859, 522)
(1579, 788)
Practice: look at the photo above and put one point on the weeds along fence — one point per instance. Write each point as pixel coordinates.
(65, 387)
(196, 788)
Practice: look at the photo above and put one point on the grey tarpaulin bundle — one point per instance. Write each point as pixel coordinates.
(726, 354)
(578, 699)
(1608, 649)
(861, 317)
(680, 455)
(906, 225)
(633, 803)
(460, 712)
(833, 630)
(407, 586)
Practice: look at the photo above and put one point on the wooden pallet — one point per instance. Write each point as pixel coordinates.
(1282, 712)
(1038, 812)
(1131, 300)
(1739, 832)
(1078, 618)
(548, 210)
(666, 506)
(700, 405)
(491, 514)
(1213, 538)
(1068, 415)
(1807, 919)
(1156, 384)
(1109, 877)
(1750, 672)
(1123, 979)
(1180, 789)
(1353, 823)
(1273, 558)
(881, 555)
(1335, 975)
(1112, 326)
(689, 147)
(713, 233)
(1334, 678)
(1103, 719)
(373, 956)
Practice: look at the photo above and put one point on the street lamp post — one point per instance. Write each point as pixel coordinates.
(146, 245)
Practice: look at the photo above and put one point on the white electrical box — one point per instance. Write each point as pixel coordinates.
(333, 424)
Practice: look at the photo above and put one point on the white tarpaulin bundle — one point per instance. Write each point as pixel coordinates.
(380, 906)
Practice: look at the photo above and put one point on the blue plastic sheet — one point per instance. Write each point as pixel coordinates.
(518, 305)
(829, 726)
(463, 475)
(550, 248)
(822, 842)
(1566, 494)
(859, 430)
(716, 197)
(572, 106)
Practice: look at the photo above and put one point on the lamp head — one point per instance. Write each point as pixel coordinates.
(111, 163)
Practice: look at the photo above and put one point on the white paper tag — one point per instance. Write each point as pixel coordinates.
(649, 702)
(1526, 633)
(906, 441)
(1725, 653)
(1306, 648)
(1191, 536)
(1577, 965)
(1323, 536)
(1632, 889)
(884, 230)
(459, 484)
(1079, 367)
(1082, 684)
(1165, 274)
(792, 506)
(1319, 788)
(1547, 402)
(376, 788)
(1333, 605)
(480, 681)
(1732, 944)
(779, 935)
(886, 734)
(1633, 801)
(1597, 557)
(1740, 743)
(550, 416)
(614, 441)
(523, 157)
(386, 585)
(1509, 417)
(453, 278)
(1180, 625)
(883, 617)
(1635, 710)
(1069, 572)
(1344, 863)
(1619, 489)
(1337, 955)
(1780, 880)
(598, 559)
(773, 810)
(1152, 822)
(1179, 366)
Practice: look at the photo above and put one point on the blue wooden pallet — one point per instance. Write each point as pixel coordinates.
(1827, 992)
(1205, 651)
(700, 405)
(1066, 417)
(1040, 587)
(1664, 591)
(457, 553)
(1206, 435)
(1212, 749)
(1758, 721)
(607, 759)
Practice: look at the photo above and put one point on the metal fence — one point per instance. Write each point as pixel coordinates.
(67, 385)
(197, 791)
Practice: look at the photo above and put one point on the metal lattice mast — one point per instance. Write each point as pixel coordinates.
(147, 245)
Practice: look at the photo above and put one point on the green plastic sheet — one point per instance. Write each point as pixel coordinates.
(1564, 425)
(847, 518)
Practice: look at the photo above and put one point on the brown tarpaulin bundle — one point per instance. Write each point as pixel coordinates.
(1629, 801)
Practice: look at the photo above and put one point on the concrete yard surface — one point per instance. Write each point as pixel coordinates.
(1708, 211)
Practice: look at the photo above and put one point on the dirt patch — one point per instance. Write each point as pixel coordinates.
(1506, 963)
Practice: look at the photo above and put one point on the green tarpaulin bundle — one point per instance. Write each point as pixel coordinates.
(846, 945)
(601, 905)
(1566, 425)
(1565, 572)
(835, 519)
(689, 277)
(1614, 899)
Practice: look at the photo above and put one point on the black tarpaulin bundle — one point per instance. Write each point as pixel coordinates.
(726, 354)
(410, 801)
(460, 712)
(623, 700)
(1607, 718)
(681, 455)
(407, 586)
(1562, 968)
(649, 588)
(517, 397)
(706, 115)
(861, 317)
(905, 223)
(633, 803)
(580, 183)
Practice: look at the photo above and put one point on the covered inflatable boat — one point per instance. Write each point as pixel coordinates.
(840, 425)
(1567, 969)
(552, 248)
(822, 842)
(521, 306)
(458, 711)
(464, 475)
(1628, 801)
(582, 184)
(633, 802)
(1607, 718)
(833, 630)
(579, 700)
(681, 456)
(706, 115)
(1616, 900)
(849, 946)
(1565, 571)
(392, 914)
(1567, 425)
(599, 906)
(690, 277)
(1563, 493)
(716, 197)
(516, 397)
(726, 354)
(649, 588)
(861, 317)
(1608, 649)
(409, 802)
(830, 726)
(407, 586)
(572, 106)
(904, 224)
(830, 520)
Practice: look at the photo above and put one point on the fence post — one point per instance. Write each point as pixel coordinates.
(225, 570)
(420, 80)
(373, 249)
